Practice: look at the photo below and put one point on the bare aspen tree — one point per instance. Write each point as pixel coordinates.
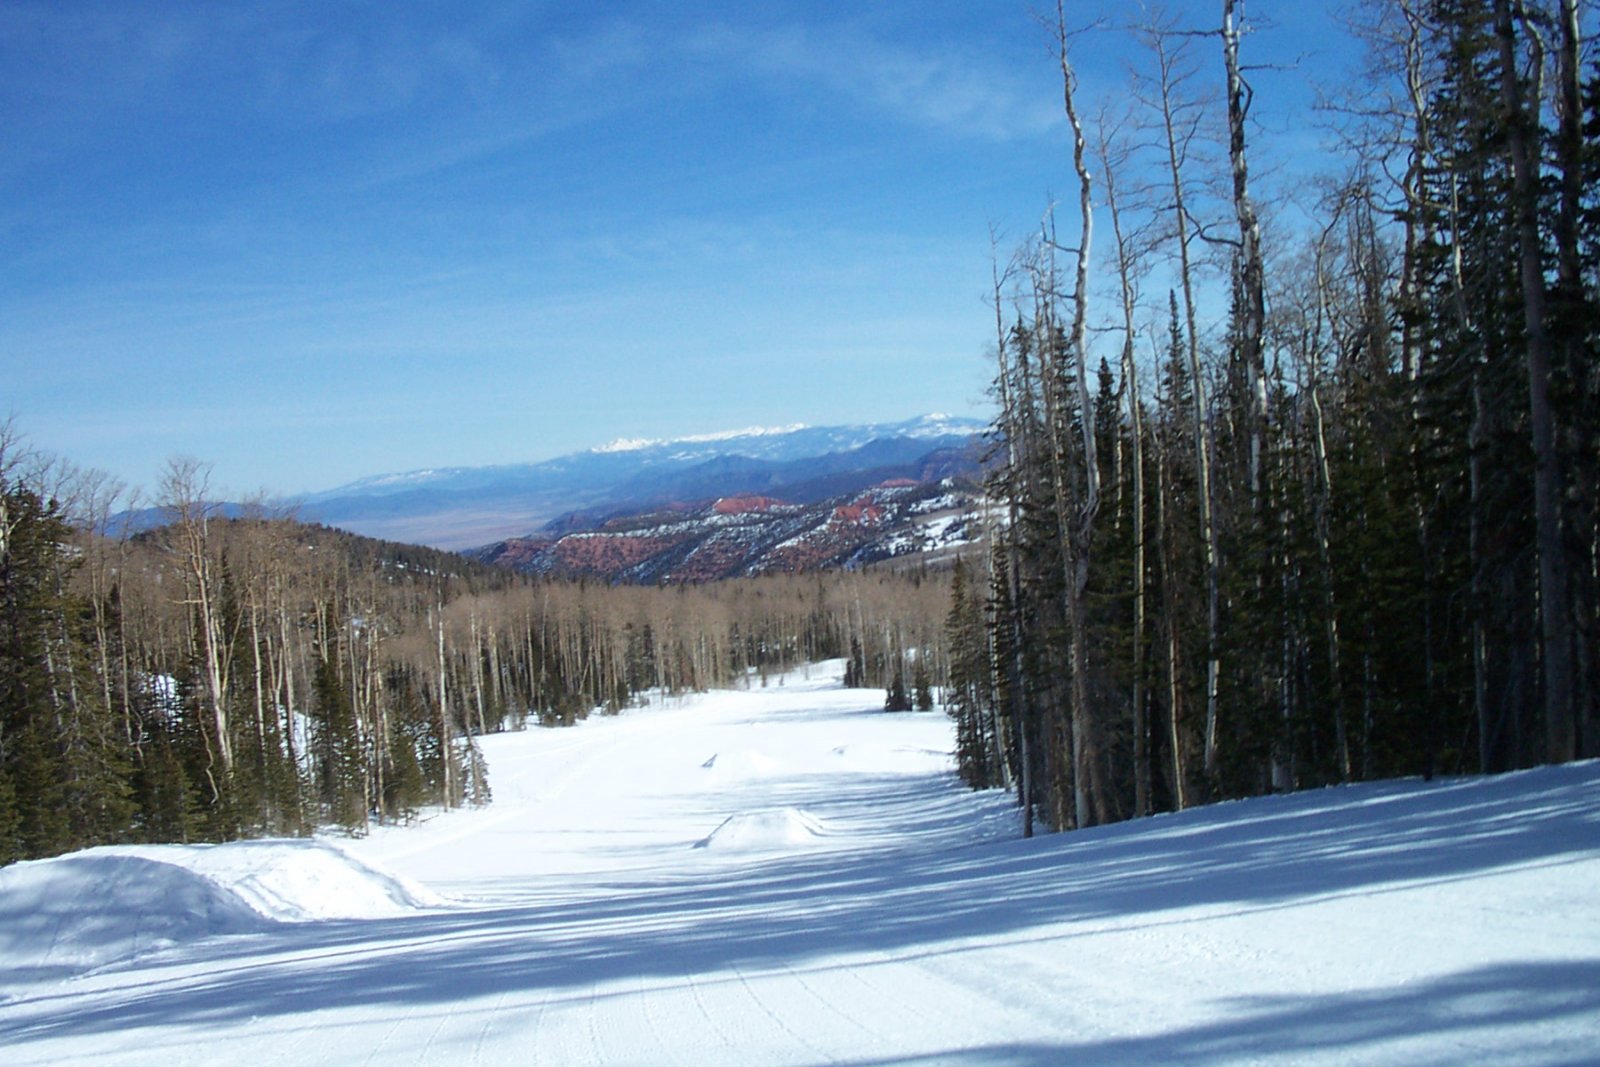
(1323, 507)
(1179, 126)
(1390, 130)
(1019, 463)
(1076, 508)
(13, 454)
(1012, 666)
(1418, 222)
(1112, 155)
(184, 488)
(100, 496)
(445, 740)
(1249, 286)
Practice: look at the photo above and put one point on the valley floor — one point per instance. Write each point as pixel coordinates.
(791, 876)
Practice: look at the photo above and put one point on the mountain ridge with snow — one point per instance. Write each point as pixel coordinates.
(462, 508)
(467, 507)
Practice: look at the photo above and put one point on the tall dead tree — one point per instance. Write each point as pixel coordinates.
(1249, 295)
(1012, 669)
(184, 489)
(1112, 155)
(1079, 507)
(1249, 269)
(1179, 126)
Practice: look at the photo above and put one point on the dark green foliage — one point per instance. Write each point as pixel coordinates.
(162, 792)
(404, 790)
(64, 766)
(970, 699)
(897, 699)
(921, 687)
(341, 763)
(10, 821)
(1385, 580)
(35, 769)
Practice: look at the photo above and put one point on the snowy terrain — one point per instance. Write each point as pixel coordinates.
(791, 876)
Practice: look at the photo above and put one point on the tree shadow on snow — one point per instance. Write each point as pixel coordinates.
(1350, 1026)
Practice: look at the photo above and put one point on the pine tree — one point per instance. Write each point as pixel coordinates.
(65, 783)
(897, 699)
(10, 821)
(336, 738)
(922, 687)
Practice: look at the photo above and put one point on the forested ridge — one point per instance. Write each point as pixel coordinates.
(221, 678)
(1300, 494)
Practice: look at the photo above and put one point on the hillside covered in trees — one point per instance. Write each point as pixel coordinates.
(749, 535)
(222, 678)
(1283, 492)
(1303, 493)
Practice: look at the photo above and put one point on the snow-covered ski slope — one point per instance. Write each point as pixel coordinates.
(790, 876)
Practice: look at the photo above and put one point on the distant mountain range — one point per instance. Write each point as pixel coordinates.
(469, 507)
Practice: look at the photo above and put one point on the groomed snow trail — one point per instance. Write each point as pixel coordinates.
(791, 876)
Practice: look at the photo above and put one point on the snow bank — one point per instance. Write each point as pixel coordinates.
(299, 881)
(64, 916)
(763, 831)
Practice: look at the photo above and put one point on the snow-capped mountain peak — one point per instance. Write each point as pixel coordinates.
(637, 444)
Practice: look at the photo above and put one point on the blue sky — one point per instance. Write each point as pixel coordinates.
(307, 242)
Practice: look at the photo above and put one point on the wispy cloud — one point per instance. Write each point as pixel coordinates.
(942, 87)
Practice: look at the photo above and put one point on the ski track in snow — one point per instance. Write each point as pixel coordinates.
(790, 876)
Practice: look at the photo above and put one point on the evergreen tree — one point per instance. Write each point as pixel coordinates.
(10, 821)
(65, 778)
(855, 666)
(164, 796)
(897, 699)
(336, 740)
(922, 688)
(969, 696)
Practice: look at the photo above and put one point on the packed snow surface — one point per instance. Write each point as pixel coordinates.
(763, 831)
(848, 903)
